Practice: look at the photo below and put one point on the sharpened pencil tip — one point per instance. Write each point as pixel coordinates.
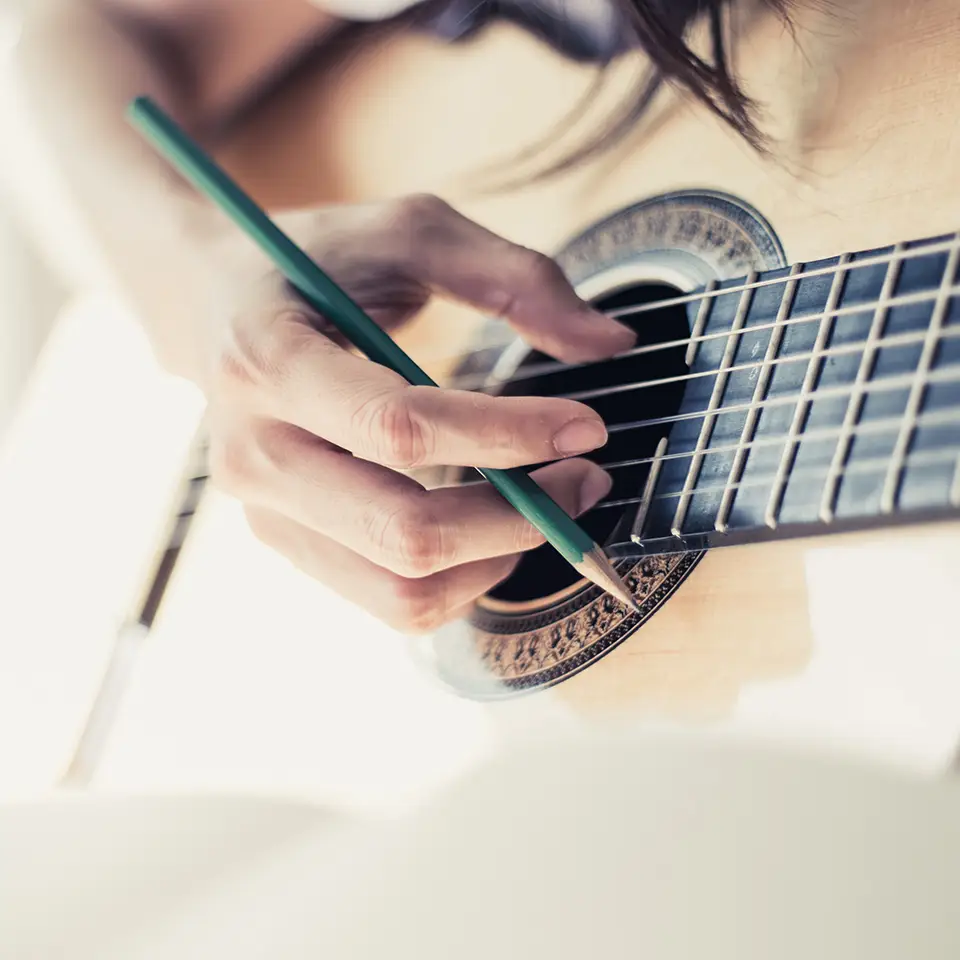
(597, 568)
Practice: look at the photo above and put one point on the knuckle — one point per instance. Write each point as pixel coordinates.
(525, 537)
(399, 438)
(503, 427)
(530, 272)
(417, 210)
(536, 270)
(256, 351)
(410, 541)
(416, 222)
(417, 607)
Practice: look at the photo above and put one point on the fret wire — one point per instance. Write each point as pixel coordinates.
(748, 434)
(880, 425)
(917, 388)
(894, 340)
(948, 375)
(930, 418)
(716, 398)
(703, 314)
(914, 254)
(476, 381)
(649, 488)
(814, 366)
(855, 403)
(920, 458)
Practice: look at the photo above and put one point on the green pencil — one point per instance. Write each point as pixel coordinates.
(572, 542)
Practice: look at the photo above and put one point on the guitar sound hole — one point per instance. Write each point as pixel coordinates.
(543, 572)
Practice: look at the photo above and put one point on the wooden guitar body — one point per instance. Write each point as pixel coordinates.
(861, 108)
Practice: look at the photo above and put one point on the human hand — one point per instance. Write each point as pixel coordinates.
(311, 438)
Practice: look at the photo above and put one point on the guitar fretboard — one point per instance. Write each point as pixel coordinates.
(822, 396)
(826, 395)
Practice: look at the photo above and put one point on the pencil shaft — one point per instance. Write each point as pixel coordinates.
(336, 306)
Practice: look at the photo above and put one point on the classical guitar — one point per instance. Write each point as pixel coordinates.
(792, 408)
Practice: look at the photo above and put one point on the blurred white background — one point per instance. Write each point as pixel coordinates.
(29, 288)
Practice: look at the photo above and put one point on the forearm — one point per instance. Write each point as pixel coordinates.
(80, 69)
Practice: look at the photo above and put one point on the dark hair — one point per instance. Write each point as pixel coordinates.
(660, 28)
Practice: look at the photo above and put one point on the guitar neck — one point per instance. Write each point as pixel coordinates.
(816, 398)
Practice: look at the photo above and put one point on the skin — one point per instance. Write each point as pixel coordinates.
(311, 439)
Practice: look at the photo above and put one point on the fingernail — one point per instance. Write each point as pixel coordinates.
(579, 436)
(597, 485)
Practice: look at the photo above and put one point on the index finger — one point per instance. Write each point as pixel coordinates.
(451, 254)
(309, 381)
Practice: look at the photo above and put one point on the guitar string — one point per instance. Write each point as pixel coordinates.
(544, 368)
(913, 253)
(915, 380)
(475, 381)
(920, 458)
(943, 375)
(880, 425)
(725, 368)
(926, 419)
(787, 470)
(932, 418)
(812, 374)
(896, 254)
(949, 375)
(865, 371)
(763, 365)
(751, 422)
(925, 362)
(890, 340)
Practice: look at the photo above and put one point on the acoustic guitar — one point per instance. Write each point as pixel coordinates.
(785, 437)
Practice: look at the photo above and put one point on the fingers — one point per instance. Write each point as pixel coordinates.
(375, 414)
(302, 431)
(451, 254)
(388, 518)
(412, 606)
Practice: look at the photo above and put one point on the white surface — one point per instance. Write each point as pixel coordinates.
(30, 295)
(85, 472)
(613, 848)
(884, 674)
(258, 678)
